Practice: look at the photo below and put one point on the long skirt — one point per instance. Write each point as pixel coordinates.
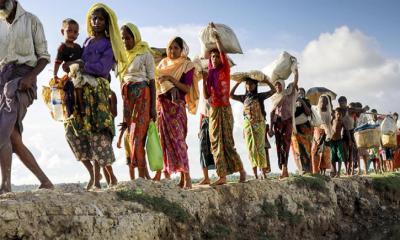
(227, 160)
(283, 133)
(320, 152)
(137, 101)
(90, 135)
(93, 147)
(172, 128)
(301, 146)
(254, 134)
(206, 157)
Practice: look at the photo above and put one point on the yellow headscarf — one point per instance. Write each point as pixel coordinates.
(175, 68)
(115, 37)
(140, 48)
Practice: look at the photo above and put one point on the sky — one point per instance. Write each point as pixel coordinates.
(350, 47)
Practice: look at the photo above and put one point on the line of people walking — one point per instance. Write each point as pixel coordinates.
(161, 94)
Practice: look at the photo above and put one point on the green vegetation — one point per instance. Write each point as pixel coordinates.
(316, 182)
(158, 204)
(387, 183)
(268, 209)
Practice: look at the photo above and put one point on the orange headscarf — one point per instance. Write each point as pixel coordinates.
(176, 68)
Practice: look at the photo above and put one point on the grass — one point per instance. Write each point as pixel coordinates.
(316, 183)
(387, 182)
(268, 209)
(158, 204)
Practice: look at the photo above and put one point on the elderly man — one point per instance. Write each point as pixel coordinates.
(23, 55)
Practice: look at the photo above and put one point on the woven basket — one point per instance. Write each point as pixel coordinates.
(368, 138)
(389, 141)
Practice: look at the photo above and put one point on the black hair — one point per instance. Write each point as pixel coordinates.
(342, 99)
(302, 89)
(128, 30)
(214, 50)
(69, 21)
(179, 41)
(374, 111)
(255, 92)
(396, 114)
(106, 18)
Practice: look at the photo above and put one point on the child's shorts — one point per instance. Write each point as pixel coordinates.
(337, 152)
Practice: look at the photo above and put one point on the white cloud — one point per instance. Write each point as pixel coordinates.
(350, 63)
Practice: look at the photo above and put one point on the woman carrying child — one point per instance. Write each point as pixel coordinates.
(90, 135)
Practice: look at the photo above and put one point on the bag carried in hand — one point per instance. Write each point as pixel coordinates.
(153, 148)
(226, 35)
(53, 97)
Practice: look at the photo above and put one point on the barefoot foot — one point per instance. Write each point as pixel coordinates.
(204, 181)
(46, 185)
(220, 181)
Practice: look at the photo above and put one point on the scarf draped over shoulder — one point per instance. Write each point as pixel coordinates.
(176, 68)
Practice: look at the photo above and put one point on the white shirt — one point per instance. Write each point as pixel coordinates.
(23, 40)
(141, 69)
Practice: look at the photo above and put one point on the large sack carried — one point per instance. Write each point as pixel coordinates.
(389, 140)
(153, 148)
(389, 126)
(281, 68)
(368, 138)
(201, 63)
(253, 74)
(227, 36)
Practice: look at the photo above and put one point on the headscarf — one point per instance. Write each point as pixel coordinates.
(114, 34)
(277, 99)
(140, 48)
(253, 96)
(326, 116)
(176, 68)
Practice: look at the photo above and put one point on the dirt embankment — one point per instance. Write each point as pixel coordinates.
(297, 208)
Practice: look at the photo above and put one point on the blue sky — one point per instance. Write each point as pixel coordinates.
(272, 24)
(350, 47)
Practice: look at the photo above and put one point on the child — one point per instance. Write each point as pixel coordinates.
(108, 170)
(69, 51)
(336, 143)
(254, 123)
